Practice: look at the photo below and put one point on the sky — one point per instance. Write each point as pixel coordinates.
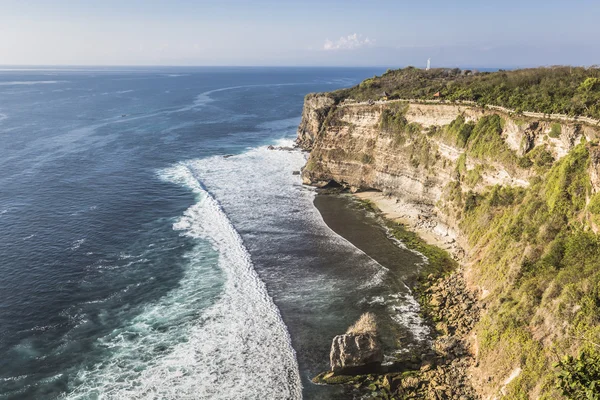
(453, 33)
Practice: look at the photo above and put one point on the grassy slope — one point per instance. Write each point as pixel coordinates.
(563, 90)
(540, 259)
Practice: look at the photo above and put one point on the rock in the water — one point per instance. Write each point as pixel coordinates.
(354, 351)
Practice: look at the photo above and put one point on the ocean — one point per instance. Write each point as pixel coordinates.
(153, 247)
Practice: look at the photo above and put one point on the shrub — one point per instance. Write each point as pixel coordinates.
(365, 324)
(541, 157)
(555, 130)
(461, 130)
(525, 162)
(473, 176)
(579, 378)
(562, 90)
(470, 201)
(393, 119)
(594, 205)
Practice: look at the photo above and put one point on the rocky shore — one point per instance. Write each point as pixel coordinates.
(419, 218)
(454, 310)
(442, 372)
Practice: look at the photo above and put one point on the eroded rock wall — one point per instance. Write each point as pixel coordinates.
(348, 146)
(422, 169)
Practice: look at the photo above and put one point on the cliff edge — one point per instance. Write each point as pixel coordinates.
(514, 196)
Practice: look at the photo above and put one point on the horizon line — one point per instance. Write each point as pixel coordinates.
(55, 66)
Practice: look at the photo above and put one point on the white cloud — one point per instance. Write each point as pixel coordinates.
(350, 42)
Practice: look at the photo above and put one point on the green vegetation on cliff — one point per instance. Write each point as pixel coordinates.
(537, 254)
(481, 141)
(555, 90)
(533, 250)
(439, 261)
(539, 258)
(579, 377)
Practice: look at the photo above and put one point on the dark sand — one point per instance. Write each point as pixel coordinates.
(343, 214)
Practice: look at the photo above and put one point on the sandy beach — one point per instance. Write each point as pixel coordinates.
(393, 209)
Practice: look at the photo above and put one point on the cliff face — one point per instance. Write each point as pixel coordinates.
(349, 146)
(442, 165)
(315, 111)
(352, 148)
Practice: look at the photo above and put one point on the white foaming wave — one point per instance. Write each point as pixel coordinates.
(13, 378)
(260, 170)
(244, 338)
(204, 98)
(3, 117)
(125, 256)
(238, 347)
(406, 311)
(77, 244)
(15, 83)
(253, 182)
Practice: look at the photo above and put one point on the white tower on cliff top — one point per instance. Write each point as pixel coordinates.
(428, 64)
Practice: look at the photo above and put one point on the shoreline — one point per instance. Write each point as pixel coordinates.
(431, 230)
(445, 371)
(397, 269)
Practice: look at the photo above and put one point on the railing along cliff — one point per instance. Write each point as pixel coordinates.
(562, 117)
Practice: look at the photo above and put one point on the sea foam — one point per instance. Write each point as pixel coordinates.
(15, 83)
(238, 347)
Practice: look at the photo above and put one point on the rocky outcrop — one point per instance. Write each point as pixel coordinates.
(353, 353)
(352, 152)
(456, 309)
(454, 306)
(443, 373)
(314, 113)
(358, 350)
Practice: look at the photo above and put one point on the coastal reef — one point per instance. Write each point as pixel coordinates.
(502, 173)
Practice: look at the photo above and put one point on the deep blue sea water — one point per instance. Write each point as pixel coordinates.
(151, 246)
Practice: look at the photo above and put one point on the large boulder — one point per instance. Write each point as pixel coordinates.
(358, 350)
(350, 352)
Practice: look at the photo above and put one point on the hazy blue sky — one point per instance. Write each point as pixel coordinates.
(267, 32)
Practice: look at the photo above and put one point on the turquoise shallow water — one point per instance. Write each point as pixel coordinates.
(138, 262)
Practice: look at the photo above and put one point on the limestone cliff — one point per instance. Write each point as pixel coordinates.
(446, 166)
(349, 146)
(315, 111)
